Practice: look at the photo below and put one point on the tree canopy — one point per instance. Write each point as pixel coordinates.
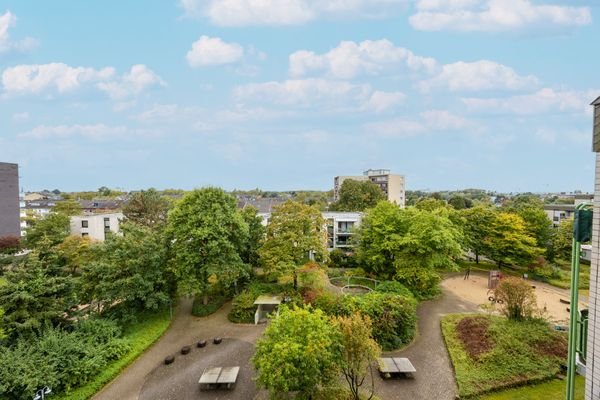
(357, 196)
(509, 243)
(207, 235)
(148, 208)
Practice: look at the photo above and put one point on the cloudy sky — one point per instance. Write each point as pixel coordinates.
(286, 94)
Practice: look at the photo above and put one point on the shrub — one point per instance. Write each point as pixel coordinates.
(9, 244)
(199, 309)
(394, 317)
(311, 276)
(423, 282)
(518, 301)
(393, 287)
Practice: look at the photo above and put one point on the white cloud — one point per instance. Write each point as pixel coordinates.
(476, 76)
(350, 59)
(445, 120)
(496, 16)
(132, 83)
(208, 51)
(429, 121)
(7, 21)
(94, 132)
(285, 12)
(544, 101)
(22, 116)
(319, 94)
(62, 78)
(396, 127)
(23, 79)
(384, 101)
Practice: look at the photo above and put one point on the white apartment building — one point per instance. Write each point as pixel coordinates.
(559, 212)
(96, 226)
(391, 185)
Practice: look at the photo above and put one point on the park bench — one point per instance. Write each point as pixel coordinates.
(395, 366)
(219, 377)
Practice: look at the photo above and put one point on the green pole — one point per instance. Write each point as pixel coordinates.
(573, 317)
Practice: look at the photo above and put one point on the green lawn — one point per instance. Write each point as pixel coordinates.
(554, 389)
(491, 353)
(140, 335)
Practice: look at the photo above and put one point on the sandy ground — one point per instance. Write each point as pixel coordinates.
(475, 290)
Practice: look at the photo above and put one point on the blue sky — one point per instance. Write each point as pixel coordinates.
(286, 94)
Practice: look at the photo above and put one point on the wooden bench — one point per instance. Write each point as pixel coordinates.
(395, 366)
(219, 377)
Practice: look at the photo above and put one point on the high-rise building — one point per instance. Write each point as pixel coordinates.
(391, 185)
(592, 368)
(10, 220)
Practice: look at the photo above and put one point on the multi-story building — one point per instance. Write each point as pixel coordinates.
(340, 228)
(559, 212)
(10, 223)
(592, 382)
(96, 226)
(391, 185)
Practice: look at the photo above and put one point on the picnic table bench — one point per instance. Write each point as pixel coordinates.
(219, 377)
(395, 366)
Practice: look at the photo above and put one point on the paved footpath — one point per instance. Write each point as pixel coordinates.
(184, 330)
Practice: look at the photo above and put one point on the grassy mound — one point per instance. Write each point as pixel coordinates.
(491, 353)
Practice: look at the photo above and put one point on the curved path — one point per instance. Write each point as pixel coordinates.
(184, 330)
(142, 380)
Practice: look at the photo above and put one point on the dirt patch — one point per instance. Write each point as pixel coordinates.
(556, 347)
(474, 333)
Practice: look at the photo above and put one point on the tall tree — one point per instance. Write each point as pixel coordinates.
(49, 231)
(256, 234)
(477, 224)
(299, 352)
(295, 232)
(562, 240)
(148, 208)
(68, 207)
(208, 236)
(75, 252)
(509, 243)
(537, 224)
(358, 196)
(359, 351)
(130, 271)
(409, 245)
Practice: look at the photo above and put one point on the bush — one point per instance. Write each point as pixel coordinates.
(518, 301)
(422, 282)
(311, 276)
(394, 317)
(9, 244)
(199, 309)
(393, 287)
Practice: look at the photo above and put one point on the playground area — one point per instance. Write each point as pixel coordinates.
(475, 290)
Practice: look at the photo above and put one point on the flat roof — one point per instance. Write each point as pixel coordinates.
(268, 299)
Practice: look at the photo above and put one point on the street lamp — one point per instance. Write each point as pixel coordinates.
(41, 394)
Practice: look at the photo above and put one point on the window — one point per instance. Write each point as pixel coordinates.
(84, 223)
(84, 234)
(106, 224)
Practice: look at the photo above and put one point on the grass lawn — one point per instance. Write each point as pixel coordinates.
(141, 335)
(491, 353)
(554, 389)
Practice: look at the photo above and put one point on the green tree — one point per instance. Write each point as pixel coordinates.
(75, 251)
(48, 231)
(256, 234)
(477, 224)
(104, 191)
(148, 208)
(409, 245)
(359, 351)
(459, 202)
(509, 243)
(562, 240)
(294, 232)
(208, 236)
(431, 203)
(68, 207)
(518, 300)
(34, 294)
(537, 224)
(300, 351)
(358, 196)
(130, 272)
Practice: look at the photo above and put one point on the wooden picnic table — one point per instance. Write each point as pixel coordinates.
(393, 366)
(218, 377)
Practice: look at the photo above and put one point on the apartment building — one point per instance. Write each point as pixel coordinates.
(592, 381)
(96, 226)
(341, 228)
(10, 223)
(391, 185)
(559, 212)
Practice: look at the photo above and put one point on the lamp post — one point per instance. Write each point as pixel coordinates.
(41, 394)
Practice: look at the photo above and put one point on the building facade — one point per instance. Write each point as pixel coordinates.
(559, 212)
(10, 213)
(96, 226)
(592, 382)
(392, 185)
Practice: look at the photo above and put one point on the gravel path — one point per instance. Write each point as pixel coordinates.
(434, 379)
(138, 380)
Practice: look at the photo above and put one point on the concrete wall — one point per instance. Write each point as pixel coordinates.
(10, 222)
(95, 225)
(396, 191)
